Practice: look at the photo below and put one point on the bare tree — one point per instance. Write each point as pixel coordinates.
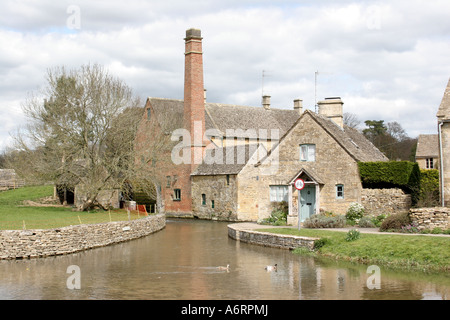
(81, 131)
(351, 120)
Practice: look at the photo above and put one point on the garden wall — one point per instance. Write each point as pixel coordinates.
(20, 244)
(385, 201)
(430, 218)
(240, 233)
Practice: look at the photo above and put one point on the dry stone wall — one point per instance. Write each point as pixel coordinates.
(385, 201)
(20, 244)
(430, 218)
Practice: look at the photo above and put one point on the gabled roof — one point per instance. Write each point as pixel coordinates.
(225, 117)
(353, 141)
(427, 146)
(444, 108)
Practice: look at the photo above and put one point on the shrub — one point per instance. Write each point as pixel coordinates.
(278, 215)
(429, 188)
(352, 235)
(392, 174)
(377, 220)
(366, 222)
(395, 222)
(321, 221)
(355, 212)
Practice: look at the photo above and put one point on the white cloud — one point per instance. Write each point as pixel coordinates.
(387, 60)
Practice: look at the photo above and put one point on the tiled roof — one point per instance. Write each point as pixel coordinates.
(427, 146)
(444, 108)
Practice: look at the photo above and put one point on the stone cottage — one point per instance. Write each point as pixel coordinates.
(427, 152)
(239, 160)
(443, 117)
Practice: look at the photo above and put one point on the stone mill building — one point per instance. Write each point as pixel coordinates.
(240, 160)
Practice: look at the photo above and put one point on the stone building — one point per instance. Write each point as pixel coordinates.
(427, 152)
(443, 117)
(244, 159)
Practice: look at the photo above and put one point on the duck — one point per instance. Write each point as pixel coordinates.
(271, 268)
(224, 268)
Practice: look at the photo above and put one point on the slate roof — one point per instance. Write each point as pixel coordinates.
(353, 141)
(427, 146)
(226, 160)
(226, 116)
(444, 108)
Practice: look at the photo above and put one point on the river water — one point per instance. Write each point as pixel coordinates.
(180, 263)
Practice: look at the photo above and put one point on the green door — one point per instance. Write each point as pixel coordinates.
(307, 202)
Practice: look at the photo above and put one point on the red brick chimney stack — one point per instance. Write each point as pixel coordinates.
(194, 94)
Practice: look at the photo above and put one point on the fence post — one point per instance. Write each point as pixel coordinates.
(24, 226)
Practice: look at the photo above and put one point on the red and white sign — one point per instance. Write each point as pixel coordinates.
(299, 184)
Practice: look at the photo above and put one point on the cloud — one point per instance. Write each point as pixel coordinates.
(387, 60)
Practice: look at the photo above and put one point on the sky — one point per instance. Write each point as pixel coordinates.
(387, 60)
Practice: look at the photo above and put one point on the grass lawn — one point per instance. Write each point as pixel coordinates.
(13, 215)
(406, 251)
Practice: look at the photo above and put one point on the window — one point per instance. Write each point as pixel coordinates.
(228, 179)
(149, 114)
(212, 204)
(430, 163)
(203, 199)
(177, 195)
(339, 191)
(278, 193)
(307, 152)
(168, 182)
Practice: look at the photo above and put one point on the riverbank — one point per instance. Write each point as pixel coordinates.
(426, 252)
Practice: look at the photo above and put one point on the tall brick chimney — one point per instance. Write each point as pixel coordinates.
(194, 94)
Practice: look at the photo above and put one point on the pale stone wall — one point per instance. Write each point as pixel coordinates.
(236, 232)
(22, 244)
(430, 218)
(385, 201)
(445, 139)
(215, 189)
(333, 166)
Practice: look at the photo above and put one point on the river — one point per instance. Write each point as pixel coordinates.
(180, 263)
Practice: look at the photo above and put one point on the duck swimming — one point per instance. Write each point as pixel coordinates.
(271, 268)
(224, 268)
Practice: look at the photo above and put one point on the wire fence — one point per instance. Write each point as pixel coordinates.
(85, 218)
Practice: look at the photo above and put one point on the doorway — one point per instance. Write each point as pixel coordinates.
(307, 205)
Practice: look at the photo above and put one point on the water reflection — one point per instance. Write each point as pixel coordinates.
(180, 262)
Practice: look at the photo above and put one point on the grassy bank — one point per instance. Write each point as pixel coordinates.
(418, 252)
(14, 215)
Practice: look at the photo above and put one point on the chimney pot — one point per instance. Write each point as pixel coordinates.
(266, 102)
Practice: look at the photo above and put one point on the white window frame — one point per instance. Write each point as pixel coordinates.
(340, 186)
(279, 193)
(308, 152)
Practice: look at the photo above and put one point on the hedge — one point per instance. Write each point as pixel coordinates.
(392, 174)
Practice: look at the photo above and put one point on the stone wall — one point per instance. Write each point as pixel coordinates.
(20, 244)
(430, 218)
(236, 232)
(385, 201)
(220, 197)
